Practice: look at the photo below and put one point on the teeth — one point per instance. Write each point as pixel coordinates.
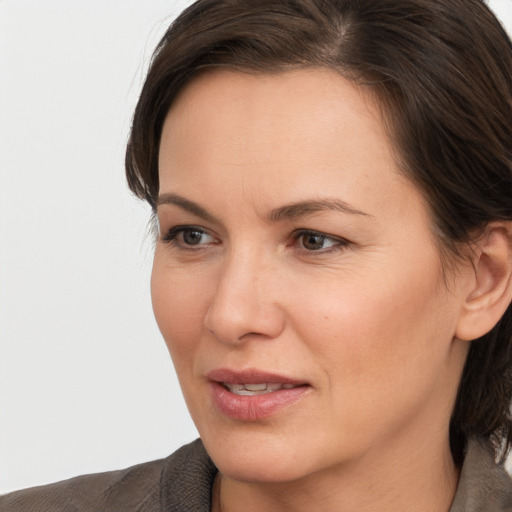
(235, 387)
(275, 387)
(256, 389)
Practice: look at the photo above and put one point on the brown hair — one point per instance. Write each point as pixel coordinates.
(442, 71)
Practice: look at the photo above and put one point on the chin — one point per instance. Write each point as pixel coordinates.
(260, 469)
(251, 457)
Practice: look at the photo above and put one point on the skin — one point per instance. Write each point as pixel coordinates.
(363, 314)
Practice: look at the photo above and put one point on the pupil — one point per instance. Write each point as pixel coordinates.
(313, 241)
(192, 237)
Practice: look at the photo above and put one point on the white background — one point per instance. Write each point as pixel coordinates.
(86, 383)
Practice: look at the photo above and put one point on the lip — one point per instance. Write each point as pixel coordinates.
(257, 407)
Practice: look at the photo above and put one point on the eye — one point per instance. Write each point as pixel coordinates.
(189, 237)
(318, 242)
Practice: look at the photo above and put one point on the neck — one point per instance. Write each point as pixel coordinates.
(425, 481)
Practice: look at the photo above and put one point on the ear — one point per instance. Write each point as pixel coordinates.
(490, 287)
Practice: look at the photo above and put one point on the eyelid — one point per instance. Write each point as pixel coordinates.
(169, 237)
(340, 243)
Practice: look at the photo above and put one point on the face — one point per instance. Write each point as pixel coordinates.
(296, 279)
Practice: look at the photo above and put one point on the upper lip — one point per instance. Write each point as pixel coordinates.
(250, 376)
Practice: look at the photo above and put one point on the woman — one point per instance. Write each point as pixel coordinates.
(332, 185)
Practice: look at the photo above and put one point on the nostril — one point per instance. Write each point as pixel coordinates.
(245, 322)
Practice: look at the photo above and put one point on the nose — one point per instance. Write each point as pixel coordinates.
(245, 304)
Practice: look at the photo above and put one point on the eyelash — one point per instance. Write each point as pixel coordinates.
(337, 242)
(171, 238)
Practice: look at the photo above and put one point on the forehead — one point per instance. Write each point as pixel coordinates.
(311, 91)
(307, 113)
(279, 137)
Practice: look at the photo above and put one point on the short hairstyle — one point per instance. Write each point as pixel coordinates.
(442, 73)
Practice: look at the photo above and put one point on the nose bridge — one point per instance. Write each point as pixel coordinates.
(244, 302)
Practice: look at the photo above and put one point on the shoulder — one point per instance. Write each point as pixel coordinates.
(142, 488)
(136, 485)
(484, 484)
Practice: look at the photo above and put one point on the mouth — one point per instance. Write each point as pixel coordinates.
(252, 381)
(256, 389)
(253, 395)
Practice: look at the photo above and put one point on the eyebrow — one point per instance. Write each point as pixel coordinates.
(302, 209)
(292, 211)
(186, 204)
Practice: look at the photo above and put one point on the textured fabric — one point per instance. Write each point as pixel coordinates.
(183, 482)
(179, 483)
(484, 486)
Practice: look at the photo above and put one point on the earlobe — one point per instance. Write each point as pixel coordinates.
(491, 288)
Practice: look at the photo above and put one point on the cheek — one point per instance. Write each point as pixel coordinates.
(387, 340)
(179, 306)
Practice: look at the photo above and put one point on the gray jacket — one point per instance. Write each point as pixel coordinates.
(183, 482)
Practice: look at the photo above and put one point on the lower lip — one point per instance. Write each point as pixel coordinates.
(256, 407)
